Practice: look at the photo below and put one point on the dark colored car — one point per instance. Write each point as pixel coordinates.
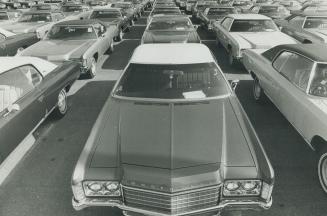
(127, 9)
(112, 16)
(11, 43)
(213, 14)
(170, 29)
(30, 89)
(173, 139)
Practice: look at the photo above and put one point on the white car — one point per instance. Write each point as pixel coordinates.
(238, 32)
(294, 77)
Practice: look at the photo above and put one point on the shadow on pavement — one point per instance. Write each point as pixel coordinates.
(205, 34)
(135, 32)
(141, 21)
(120, 57)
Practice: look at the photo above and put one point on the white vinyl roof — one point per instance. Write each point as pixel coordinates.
(43, 66)
(174, 53)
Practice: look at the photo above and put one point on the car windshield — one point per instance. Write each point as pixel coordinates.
(41, 7)
(74, 8)
(220, 11)
(170, 12)
(4, 16)
(316, 23)
(37, 17)
(253, 26)
(71, 33)
(170, 25)
(318, 85)
(172, 81)
(105, 14)
(268, 9)
(118, 5)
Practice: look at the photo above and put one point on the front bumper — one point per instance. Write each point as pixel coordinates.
(226, 205)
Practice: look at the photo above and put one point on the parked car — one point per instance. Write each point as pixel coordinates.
(163, 11)
(315, 7)
(238, 32)
(9, 16)
(46, 7)
(242, 5)
(38, 22)
(145, 142)
(26, 3)
(189, 5)
(112, 16)
(306, 27)
(201, 6)
(128, 10)
(294, 77)
(73, 9)
(30, 89)
(10, 43)
(263, 2)
(289, 4)
(271, 10)
(11, 4)
(170, 29)
(82, 41)
(213, 14)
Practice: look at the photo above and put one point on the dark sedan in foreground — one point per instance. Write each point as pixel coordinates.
(173, 139)
(170, 29)
(30, 89)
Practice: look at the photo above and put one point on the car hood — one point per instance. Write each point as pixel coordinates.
(322, 33)
(110, 20)
(27, 27)
(58, 50)
(170, 37)
(171, 136)
(261, 40)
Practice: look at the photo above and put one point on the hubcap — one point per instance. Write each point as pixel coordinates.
(324, 171)
(62, 105)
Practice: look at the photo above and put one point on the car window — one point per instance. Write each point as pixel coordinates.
(316, 23)
(318, 85)
(32, 74)
(295, 68)
(297, 21)
(14, 84)
(172, 81)
(226, 23)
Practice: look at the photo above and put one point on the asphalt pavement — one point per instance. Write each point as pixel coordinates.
(40, 184)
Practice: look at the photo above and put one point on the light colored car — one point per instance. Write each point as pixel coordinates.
(294, 77)
(238, 32)
(30, 90)
(306, 27)
(9, 16)
(38, 22)
(213, 14)
(82, 41)
(171, 140)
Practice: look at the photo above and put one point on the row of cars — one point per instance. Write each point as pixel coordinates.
(175, 137)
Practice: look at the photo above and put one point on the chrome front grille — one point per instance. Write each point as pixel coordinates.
(171, 203)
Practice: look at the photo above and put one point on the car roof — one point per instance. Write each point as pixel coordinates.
(159, 17)
(309, 13)
(172, 54)
(39, 12)
(316, 52)
(79, 22)
(249, 16)
(8, 63)
(106, 9)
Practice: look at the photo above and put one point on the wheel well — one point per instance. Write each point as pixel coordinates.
(318, 143)
(96, 56)
(306, 41)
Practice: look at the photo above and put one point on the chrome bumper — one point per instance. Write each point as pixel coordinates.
(230, 204)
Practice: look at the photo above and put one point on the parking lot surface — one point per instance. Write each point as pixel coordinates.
(40, 184)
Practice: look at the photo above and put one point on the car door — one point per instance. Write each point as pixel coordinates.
(21, 108)
(294, 28)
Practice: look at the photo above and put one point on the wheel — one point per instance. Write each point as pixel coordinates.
(62, 105)
(258, 93)
(93, 70)
(111, 48)
(322, 169)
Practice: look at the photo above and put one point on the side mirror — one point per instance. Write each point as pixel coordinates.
(234, 84)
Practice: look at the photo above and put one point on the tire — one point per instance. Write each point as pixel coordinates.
(322, 169)
(258, 93)
(119, 36)
(62, 105)
(93, 70)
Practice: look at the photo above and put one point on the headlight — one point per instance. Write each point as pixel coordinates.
(266, 191)
(78, 191)
(102, 188)
(242, 188)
